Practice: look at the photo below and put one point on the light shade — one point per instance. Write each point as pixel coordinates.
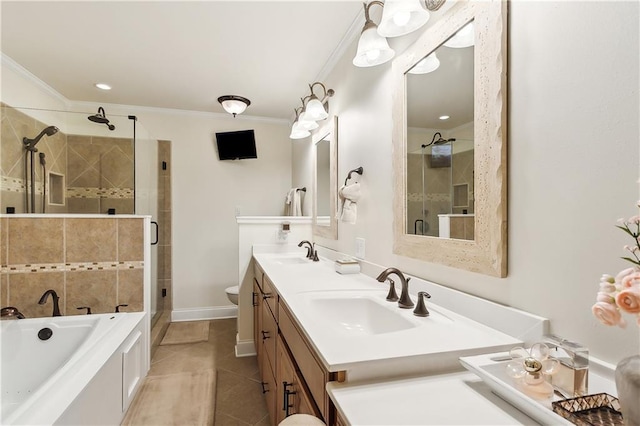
(373, 49)
(297, 132)
(426, 65)
(400, 17)
(306, 124)
(314, 110)
(465, 37)
(234, 104)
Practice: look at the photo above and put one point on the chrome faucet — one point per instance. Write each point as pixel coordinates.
(11, 313)
(309, 249)
(405, 301)
(56, 306)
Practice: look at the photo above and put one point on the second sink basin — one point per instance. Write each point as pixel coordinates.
(355, 314)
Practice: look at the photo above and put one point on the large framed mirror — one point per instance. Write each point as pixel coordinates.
(449, 138)
(325, 179)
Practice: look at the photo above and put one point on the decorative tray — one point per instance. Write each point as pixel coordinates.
(592, 410)
(491, 368)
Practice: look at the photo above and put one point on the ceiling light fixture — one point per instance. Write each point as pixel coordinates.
(426, 65)
(400, 17)
(444, 117)
(373, 48)
(234, 104)
(103, 86)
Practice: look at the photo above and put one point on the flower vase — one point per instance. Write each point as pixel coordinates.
(628, 387)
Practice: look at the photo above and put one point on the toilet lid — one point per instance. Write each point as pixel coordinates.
(232, 290)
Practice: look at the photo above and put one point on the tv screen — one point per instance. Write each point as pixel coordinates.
(236, 145)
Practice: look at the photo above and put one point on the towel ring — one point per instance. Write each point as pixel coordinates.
(359, 171)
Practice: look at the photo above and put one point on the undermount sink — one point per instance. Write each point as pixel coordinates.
(355, 314)
(291, 260)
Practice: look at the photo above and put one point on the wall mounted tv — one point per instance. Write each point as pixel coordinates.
(236, 145)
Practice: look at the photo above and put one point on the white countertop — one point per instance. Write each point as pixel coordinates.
(448, 399)
(431, 344)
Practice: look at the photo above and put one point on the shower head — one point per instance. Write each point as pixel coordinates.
(438, 141)
(101, 118)
(30, 144)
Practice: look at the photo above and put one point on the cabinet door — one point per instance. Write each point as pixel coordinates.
(269, 389)
(293, 396)
(269, 332)
(257, 319)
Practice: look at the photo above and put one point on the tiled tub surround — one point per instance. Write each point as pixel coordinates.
(89, 261)
(98, 171)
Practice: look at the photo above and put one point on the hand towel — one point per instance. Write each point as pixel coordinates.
(293, 203)
(349, 196)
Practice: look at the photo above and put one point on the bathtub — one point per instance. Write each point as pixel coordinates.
(48, 363)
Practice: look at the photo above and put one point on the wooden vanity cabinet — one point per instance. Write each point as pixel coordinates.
(293, 378)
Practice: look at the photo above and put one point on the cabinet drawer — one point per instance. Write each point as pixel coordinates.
(269, 333)
(270, 296)
(312, 371)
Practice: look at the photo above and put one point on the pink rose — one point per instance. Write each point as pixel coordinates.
(608, 314)
(631, 280)
(624, 273)
(606, 297)
(629, 300)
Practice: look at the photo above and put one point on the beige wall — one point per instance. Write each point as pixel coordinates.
(94, 262)
(573, 164)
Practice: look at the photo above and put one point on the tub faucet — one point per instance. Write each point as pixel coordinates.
(309, 249)
(405, 301)
(11, 313)
(56, 306)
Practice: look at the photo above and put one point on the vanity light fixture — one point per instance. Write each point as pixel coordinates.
(400, 17)
(302, 121)
(429, 64)
(103, 86)
(373, 48)
(297, 130)
(234, 104)
(463, 38)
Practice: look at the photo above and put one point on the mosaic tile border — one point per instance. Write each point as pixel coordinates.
(11, 184)
(418, 196)
(78, 192)
(68, 267)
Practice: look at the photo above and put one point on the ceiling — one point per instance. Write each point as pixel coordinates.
(180, 54)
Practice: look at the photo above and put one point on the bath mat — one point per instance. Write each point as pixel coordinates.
(186, 332)
(174, 399)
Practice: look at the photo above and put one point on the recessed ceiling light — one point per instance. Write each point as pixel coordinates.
(103, 86)
(444, 117)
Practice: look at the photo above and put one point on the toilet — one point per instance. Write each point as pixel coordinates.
(232, 293)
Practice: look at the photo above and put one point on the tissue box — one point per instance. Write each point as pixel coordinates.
(347, 266)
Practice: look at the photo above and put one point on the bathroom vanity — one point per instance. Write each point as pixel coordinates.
(319, 333)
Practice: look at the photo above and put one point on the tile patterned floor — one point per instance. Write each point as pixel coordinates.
(239, 399)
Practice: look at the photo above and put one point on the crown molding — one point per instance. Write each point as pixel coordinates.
(20, 70)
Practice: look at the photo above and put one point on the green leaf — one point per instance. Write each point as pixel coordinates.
(634, 261)
(625, 229)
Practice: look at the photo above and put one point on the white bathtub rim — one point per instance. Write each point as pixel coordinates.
(46, 405)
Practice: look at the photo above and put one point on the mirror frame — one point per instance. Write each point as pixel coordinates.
(328, 129)
(487, 253)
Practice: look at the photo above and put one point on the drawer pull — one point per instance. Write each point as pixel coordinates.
(267, 296)
(254, 298)
(264, 389)
(265, 335)
(285, 398)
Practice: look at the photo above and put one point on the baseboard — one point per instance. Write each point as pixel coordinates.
(196, 314)
(245, 348)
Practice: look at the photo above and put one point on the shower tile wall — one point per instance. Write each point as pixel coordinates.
(100, 174)
(98, 171)
(15, 126)
(95, 262)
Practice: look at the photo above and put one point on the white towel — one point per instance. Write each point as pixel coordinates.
(293, 203)
(349, 196)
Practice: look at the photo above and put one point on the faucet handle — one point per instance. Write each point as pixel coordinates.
(122, 305)
(421, 308)
(88, 308)
(392, 296)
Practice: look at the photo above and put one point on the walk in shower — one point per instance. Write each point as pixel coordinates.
(88, 163)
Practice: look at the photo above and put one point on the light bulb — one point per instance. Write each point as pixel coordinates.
(401, 18)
